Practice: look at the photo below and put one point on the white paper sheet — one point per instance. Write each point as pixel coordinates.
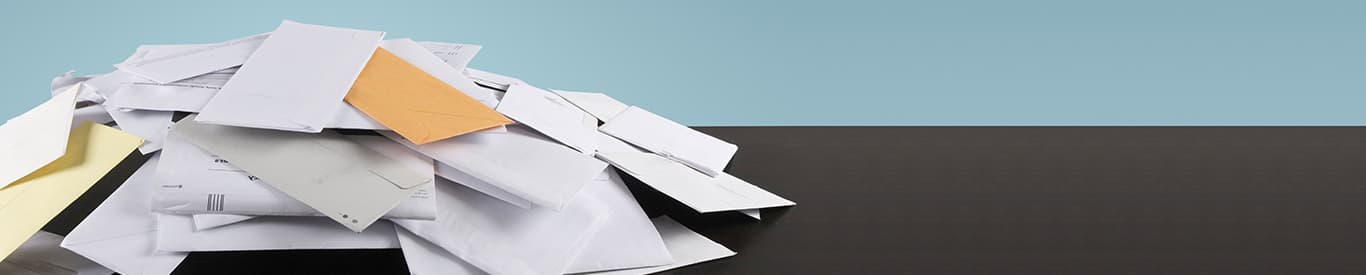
(177, 233)
(501, 238)
(344, 180)
(295, 81)
(669, 139)
(549, 114)
(523, 164)
(197, 61)
(197, 182)
(700, 192)
(36, 137)
(121, 232)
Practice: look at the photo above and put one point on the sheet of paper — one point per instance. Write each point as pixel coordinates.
(151, 126)
(672, 140)
(416, 105)
(455, 55)
(295, 80)
(497, 81)
(430, 63)
(189, 95)
(195, 181)
(41, 255)
(177, 233)
(599, 105)
(549, 114)
(627, 238)
(425, 258)
(120, 233)
(347, 181)
(29, 203)
(523, 164)
(197, 61)
(501, 238)
(36, 137)
(686, 246)
(700, 192)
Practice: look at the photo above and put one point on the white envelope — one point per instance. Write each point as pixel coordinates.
(627, 238)
(424, 59)
(671, 140)
(497, 81)
(529, 167)
(209, 221)
(36, 137)
(176, 233)
(295, 81)
(197, 61)
(501, 238)
(121, 232)
(599, 105)
(151, 126)
(608, 143)
(456, 55)
(549, 114)
(189, 95)
(457, 176)
(686, 246)
(195, 181)
(700, 192)
(345, 180)
(41, 255)
(425, 258)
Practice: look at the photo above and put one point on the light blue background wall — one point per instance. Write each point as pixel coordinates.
(848, 62)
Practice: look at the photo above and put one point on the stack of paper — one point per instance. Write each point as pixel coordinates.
(467, 171)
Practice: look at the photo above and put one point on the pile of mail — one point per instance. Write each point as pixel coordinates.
(319, 137)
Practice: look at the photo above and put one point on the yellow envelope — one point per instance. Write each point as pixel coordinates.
(421, 108)
(29, 203)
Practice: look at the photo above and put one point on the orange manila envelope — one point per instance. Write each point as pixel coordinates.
(25, 206)
(418, 106)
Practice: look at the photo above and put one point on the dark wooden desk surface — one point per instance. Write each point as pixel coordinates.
(993, 200)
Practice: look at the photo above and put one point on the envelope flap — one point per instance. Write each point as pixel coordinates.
(417, 105)
(37, 137)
